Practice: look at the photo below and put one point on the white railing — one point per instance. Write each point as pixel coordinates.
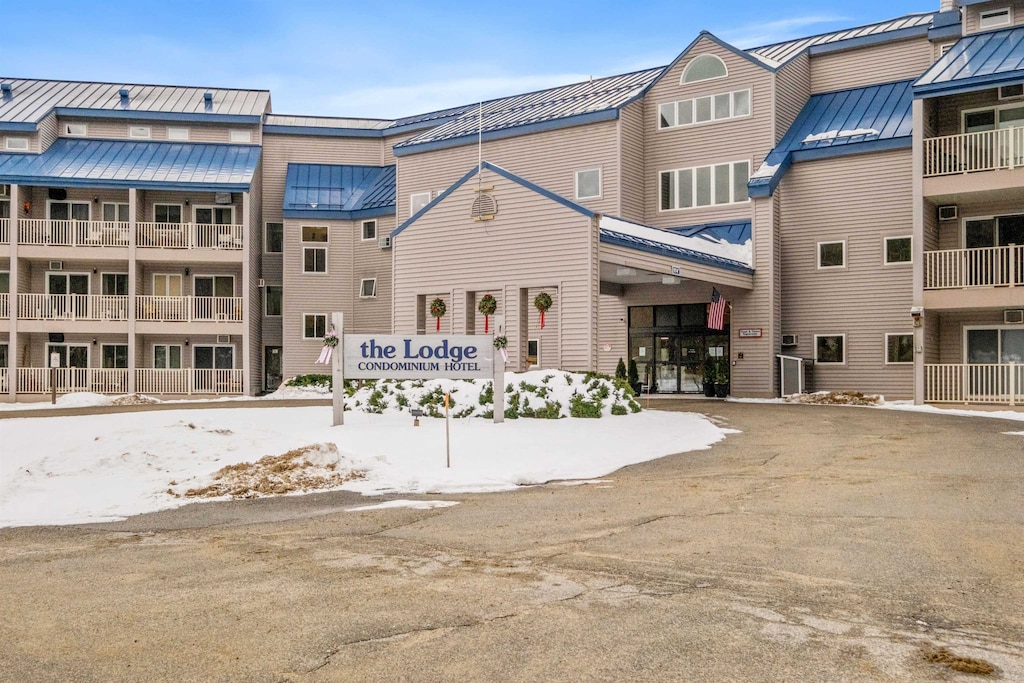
(185, 309)
(5, 306)
(985, 267)
(986, 150)
(188, 381)
(69, 380)
(70, 233)
(974, 383)
(4, 387)
(188, 236)
(72, 307)
(5, 230)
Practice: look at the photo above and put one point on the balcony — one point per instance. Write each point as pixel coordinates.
(974, 278)
(189, 236)
(188, 381)
(187, 309)
(987, 150)
(90, 307)
(4, 387)
(974, 383)
(71, 380)
(70, 233)
(5, 230)
(5, 306)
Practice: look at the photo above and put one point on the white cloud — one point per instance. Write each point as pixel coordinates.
(765, 33)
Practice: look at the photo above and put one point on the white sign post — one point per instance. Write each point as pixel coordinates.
(498, 377)
(338, 370)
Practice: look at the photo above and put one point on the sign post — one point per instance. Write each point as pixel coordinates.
(54, 364)
(498, 379)
(338, 370)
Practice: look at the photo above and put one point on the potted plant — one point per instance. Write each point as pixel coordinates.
(722, 377)
(710, 371)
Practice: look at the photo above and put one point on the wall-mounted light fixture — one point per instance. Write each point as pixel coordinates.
(186, 342)
(93, 271)
(95, 200)
(186, 272)
(94, 341)
(188, 202)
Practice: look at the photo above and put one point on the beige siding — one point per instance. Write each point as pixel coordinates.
(951, 232)
(33, 141)
(947, 116)
(198, 132)
(875, 64)
(387, 152)
(47, 132)
(951, 326)
(252, 292)
(792, 89)
(972, 14)
(631, 155)
(748, 138)
(549, 159)
(826, 201)
(433, 257)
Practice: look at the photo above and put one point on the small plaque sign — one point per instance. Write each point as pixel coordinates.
(747, 332)
(676, 270)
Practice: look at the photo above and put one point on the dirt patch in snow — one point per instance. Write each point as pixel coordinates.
(967, 665)
(134, 400)
(309, 468)
(838, 398)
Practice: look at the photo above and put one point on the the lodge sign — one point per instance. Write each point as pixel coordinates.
(382, 356)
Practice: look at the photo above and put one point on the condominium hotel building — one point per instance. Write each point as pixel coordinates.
(857, 197)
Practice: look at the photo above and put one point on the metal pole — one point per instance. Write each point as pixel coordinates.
(53, 385)
(338, 371)
(447, 434)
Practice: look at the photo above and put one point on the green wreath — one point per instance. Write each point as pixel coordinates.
(488, 305)
(438, 309)
(542, 302)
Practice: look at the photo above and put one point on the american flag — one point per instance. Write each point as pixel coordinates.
(716, 311)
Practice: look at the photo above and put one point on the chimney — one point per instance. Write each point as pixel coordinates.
(947, 5)
(123, 92)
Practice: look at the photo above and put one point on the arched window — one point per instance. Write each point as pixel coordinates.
(703, 68)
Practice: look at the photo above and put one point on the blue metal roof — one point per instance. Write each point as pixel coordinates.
(975, 62)
(733, 232)
(660, 248)
(854, 121)
(583, 102)
(341, 192)
(72, 162)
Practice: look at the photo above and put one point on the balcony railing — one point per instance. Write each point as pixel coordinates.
(985, 267)
(188, 236)
(5, 306)
(986, 150)
(5, 230)
(4, 387)
(187, 309)
(72, 307)
(70, 380)
(974, 383)
(188, 381)
(70, 233)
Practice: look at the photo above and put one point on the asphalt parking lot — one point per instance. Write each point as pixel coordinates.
(819, 544)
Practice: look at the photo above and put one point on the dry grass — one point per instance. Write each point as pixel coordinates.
(967, 665)
(837, 398)
(133, 400)
(309, 468)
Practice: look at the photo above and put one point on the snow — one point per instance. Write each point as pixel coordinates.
(766, 171)
(107, 467)
(401, 503)
(742, 253)
(833, 134)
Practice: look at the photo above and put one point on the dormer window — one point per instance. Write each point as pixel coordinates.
(16, 144)
(78, 130)
(140, 132)
(704, 68)
(995, 17)
(242, 136)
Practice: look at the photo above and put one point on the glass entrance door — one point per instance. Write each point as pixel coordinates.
(75, 358)
(666, 368)
(211, 364)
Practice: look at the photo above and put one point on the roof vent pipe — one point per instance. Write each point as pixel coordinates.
(5, 88)
(123, 92)
(208, 100)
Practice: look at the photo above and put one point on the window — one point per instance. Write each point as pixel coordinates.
(417, 202)
(729, 105)
(177, 134)
(76, 129)
(167, 356)
(166, 284)
(5, 282)
(274, 243)
(167, 213)
(115, 211)
(705, 185)
(114, 284)
(274, 299)
(115, 356)
(5, 208)
(588, 183)
(367, 288)
(314, 325)
(314, 259)
(214, 215)
(16, 144)
(68, 211)
(704, 68)
(995, 17)
(899, 348)
(830, 348)
(214, 285)
(243, 136)
(898, 250)
(141, 132)
(369, 230)
(831, 254)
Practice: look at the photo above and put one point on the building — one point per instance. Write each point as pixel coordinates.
(852, 195)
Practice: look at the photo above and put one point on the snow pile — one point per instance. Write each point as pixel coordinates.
(838, 398)
(742, 253)
(833, 134)
(765, 171)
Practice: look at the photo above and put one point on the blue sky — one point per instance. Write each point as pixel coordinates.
(390, 59)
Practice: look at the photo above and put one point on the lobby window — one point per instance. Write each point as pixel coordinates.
(830, 348)
(831, 254)
(898, 250)
(899, 348)
(314, 325)
(588, 183)
(314, 258)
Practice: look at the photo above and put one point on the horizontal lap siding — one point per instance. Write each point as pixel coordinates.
(792, 90)
(532, 243)
(951, 232)
(253, 293)
(947, 117)
(875, 64)
(370, 261)
(197, 132)
(549, 159)
(612, 332)
(48, 133)
(951, 331)
(859, 199)
(631, 131)
(739, 139)
(972, 14)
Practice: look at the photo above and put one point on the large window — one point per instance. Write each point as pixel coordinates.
(214, 215)
(718, 107)
(830, 348)
(167, 356)
(167, 213)
(588, 183)
(274, 299)
(114, 284)
(898, 250)
(314, 258)
(115, 211)
(314, 325)
(705, 185)
(115, 356)
(899, 348)
(831, 254)
(704, 68)
(274, 243)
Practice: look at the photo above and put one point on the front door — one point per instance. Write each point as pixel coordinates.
(62, 287)
(271, 367)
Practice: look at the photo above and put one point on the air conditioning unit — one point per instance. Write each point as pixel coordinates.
(261, 283)
(1013, 316)
(223, 338)
(1011, 92)
(948, 212)
(790, 340)
(5, 190)
(222, 198)
(384, 242)
(56, 265)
